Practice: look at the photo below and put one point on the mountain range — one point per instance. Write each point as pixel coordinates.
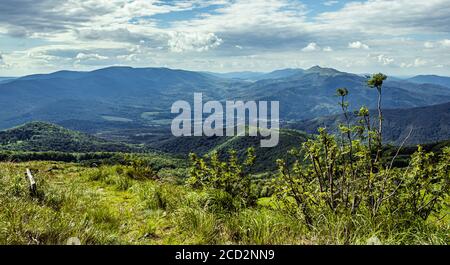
(145, 95)
(133, 104)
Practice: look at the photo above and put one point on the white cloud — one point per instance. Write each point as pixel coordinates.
(41, 56)
(129, 57)
(428, 44)
(445, 43)
(253, 24)
(385, 60)
(358, 45)
(92, 56)
(418, 62)
(238, 34)
(56, 16)
(193, 41)
(311, 47)
(389, 18)
(3, 64)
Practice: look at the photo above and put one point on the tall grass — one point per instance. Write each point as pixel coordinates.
(107, 206)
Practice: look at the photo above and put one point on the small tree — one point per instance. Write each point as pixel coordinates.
(376, 81)
(229, 176)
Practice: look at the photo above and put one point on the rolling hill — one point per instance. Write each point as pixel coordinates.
(265, 157)
(41, 136)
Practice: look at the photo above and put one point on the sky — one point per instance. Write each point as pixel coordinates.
(401, 37)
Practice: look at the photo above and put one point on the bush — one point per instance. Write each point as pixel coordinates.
(231, 177)
(349, 177)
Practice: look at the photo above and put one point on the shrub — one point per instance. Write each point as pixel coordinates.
(347, 175)
(231, 177)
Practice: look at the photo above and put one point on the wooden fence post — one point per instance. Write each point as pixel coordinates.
(32, 182)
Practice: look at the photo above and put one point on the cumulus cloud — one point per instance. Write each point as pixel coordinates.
(41, 56)
(358, 45)
(315, 47)
(387, 17)
(25, 17)
(311, 47)
(238, 34)
(43, 16)
(92, 56)
(268, 24)
(3, 64)
(193, 41)
(428, 44)
(129, 57)
(445, 43)
(418, 62)
(385, 60)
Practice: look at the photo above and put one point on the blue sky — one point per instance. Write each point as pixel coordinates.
(402, 37)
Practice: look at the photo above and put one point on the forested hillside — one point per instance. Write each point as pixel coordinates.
(41, 136)
(428, 124)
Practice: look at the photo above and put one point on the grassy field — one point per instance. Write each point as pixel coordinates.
(116, 205)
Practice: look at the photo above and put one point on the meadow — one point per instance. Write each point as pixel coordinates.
(121, 205)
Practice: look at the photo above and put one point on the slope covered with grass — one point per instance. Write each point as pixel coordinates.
(122, 205)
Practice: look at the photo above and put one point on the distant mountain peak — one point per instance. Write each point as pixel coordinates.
(322, 70)
(315, 68)
(431, 79)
